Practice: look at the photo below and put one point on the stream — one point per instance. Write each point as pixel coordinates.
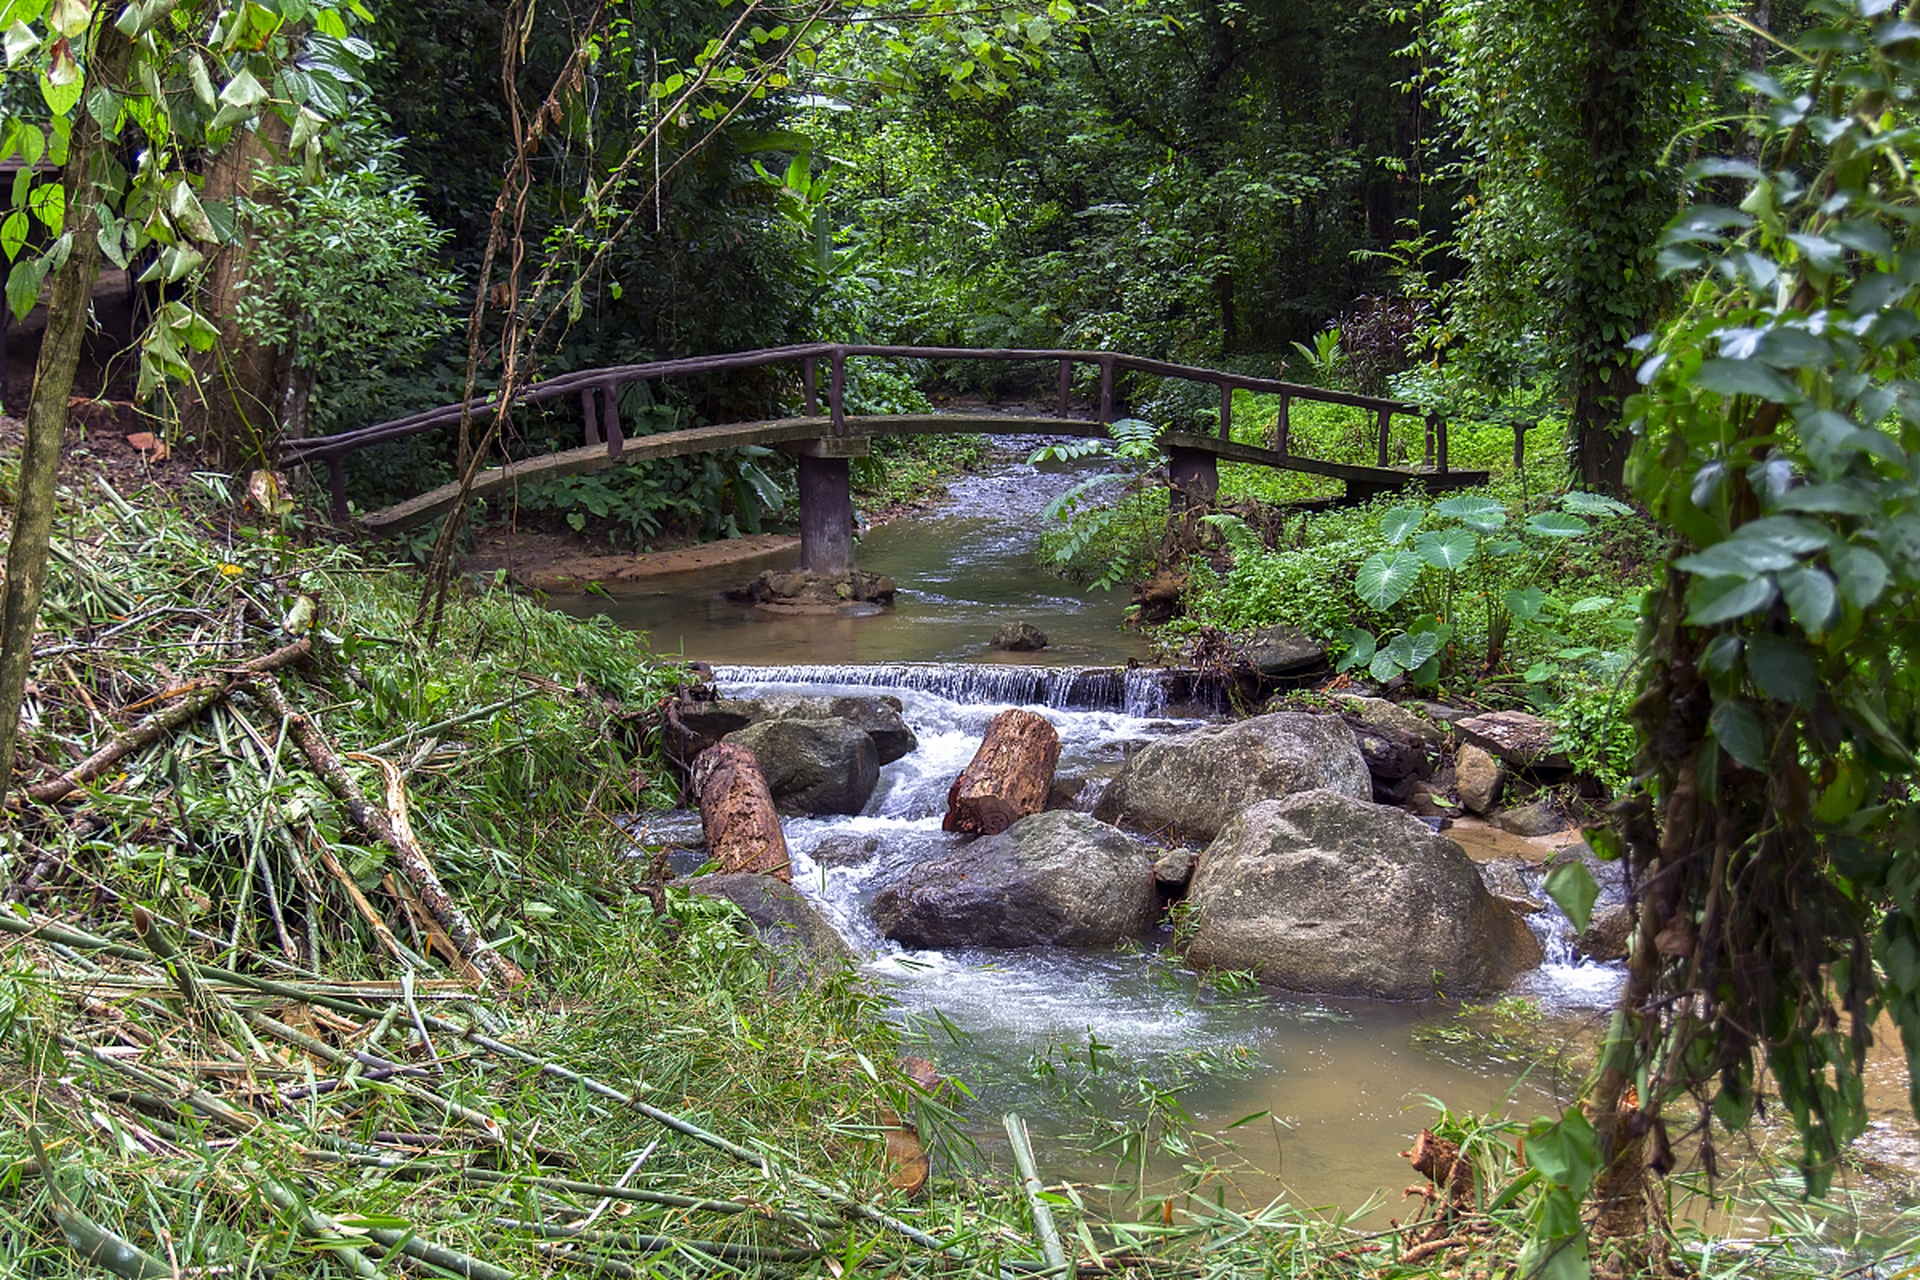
(1342, 1084)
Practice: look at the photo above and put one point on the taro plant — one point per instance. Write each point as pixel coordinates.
(1464, 560)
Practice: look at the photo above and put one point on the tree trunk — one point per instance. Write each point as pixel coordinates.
(67, 309)
(1009, 777)
(234, 409)
(736, 812)
(1601, 441)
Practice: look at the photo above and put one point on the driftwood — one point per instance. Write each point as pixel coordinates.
(1009, 776)
(736, 812)
(1450, 1195)
(393, 831)
(200, 695)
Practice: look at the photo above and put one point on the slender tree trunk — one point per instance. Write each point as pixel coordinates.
(67, 309)
(235, 407)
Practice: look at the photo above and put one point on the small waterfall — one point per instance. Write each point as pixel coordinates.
(1133, 691)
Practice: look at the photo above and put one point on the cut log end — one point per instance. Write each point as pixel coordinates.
(1009, 776)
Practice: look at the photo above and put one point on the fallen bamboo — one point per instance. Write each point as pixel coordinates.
(156, 726)
(1030, 1186)
(502, 974)
(706, 1249)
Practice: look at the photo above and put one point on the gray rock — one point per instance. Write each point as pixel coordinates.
(1523, 741)
(1187, 787)
(781, 917)
(814, 766)
(1508, 879)
(1018, 637)
(1057, 878)
(1537, 819)
(1283, 650)
(1477, 778)
(1608, 930)
(846, 850)
(1391, 715)
(706, 723)
(1323, 892)
(1174, 870)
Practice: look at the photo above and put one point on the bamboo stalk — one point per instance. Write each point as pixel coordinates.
(1030, 1184)
(501, 972)
(660, 1244)
(156, 726)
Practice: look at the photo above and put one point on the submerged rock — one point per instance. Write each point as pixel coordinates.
(1018, 637)
(1057, 878)
(1328, 893)
(1187, 787)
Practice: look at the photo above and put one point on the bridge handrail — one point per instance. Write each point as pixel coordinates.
(598, 389)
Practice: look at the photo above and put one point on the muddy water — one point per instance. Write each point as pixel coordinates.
(960, 572)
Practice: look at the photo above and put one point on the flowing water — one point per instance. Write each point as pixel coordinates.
(1344, 1085)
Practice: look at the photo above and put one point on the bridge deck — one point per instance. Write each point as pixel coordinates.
(1361, 481)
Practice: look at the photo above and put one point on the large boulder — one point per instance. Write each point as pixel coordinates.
(695, 726)
(814, 766)
(1188, 786)
(1057, 878)
(1325, 892)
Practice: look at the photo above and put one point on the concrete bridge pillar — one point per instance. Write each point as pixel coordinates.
(826, 503)
(1191, 473)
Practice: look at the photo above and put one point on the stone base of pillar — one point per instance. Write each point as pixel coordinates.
(802, 591)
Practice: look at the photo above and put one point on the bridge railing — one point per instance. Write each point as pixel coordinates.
(599, 389)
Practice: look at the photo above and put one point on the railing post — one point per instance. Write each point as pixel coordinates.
(1226, 411)
(1106, 389)
(1066, 385)
(588, 415)
(837, 391)
(1429, 450)
(1520, 430)
(1283, 426)
(1386, 425)
(616, 438)
(1437, 428)
(809, 375)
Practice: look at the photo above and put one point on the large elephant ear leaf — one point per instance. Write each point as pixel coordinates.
(1385, 578)
(1480, 514)
(1447, 549)
(1399, 522)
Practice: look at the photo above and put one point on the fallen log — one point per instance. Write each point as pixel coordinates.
(1009, 776)
(736, 812)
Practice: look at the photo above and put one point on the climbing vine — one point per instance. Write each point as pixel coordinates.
(1773, 822)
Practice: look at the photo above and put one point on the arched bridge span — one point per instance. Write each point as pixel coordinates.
(824, 442)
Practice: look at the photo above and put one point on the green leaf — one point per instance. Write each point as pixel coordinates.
(1476, 512)
(1383, 579)
(1737, 728)
(1781, 671)
(1399, 522)
(49, 204)
(1738, 557)
(62, 89)
(19, 41)
(1574, 889)
(1744, 378)
(1861, 572)
(1448, 549)
(1580, 502)
(1525, 603)
(23, 285)
(1810, 597)
(1360, 649)
(13, 233)
(1839, 498)
(1724, 599)
(1556, 524)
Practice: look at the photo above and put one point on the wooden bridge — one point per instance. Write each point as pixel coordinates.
(824, 443)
